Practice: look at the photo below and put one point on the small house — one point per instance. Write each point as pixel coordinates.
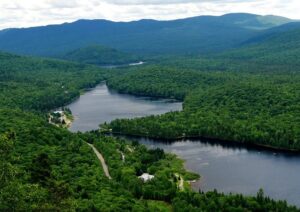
(146, 177)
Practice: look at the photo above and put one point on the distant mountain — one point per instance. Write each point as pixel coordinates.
(203, 34)
(252, 21)
(272, 32)
(280, 45)
(100, 55)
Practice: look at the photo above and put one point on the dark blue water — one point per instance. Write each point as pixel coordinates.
(223, 166)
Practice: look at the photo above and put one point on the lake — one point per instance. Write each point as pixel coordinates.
(101, 105)
(223, 166)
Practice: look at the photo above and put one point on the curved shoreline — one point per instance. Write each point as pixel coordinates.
(254, 146)
(244, 144)
(210, 138)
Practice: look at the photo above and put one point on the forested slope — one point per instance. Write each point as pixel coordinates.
(254, 108)
(100, 55)
(274, 51)
(40, 84)
(279, 48)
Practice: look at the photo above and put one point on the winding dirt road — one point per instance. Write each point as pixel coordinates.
(101, 159)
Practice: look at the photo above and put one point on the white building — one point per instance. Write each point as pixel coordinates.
(146, 177)
(59, 112)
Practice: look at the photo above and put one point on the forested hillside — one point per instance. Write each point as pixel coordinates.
(247, 108)
(44, 167)
(47, 168)
(40, 84)
(201, 34)
(100, 55)
(278, 53)
(275, 31)
(280, 48)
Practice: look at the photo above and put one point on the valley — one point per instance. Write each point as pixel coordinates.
(204, 123)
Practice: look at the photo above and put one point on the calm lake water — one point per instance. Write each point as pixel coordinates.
(236, 169)
(101, 105)
(223, 166)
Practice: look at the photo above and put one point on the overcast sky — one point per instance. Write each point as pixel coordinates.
(25, 13)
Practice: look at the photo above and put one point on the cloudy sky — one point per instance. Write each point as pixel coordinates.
(25, 13)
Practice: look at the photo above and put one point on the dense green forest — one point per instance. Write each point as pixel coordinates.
(100, 55)
(39, 84)
(44, 167)
(256, 108)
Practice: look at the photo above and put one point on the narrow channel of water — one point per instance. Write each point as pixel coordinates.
(223, 166)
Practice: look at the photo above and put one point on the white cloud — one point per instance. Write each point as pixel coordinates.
(164, 2)
(24, 13)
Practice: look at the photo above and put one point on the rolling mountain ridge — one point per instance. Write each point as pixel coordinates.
(197, 35)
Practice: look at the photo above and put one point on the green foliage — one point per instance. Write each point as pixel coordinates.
(157, 81)
(40, 84)
(7, 171)
(278, 49)
(100, 55)
(47, 168)
(248, 108)
(68, 175)
(214, 201)
(40, 169)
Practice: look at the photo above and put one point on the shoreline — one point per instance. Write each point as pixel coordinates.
(66, 119)
(244, 144)
(254, 146)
